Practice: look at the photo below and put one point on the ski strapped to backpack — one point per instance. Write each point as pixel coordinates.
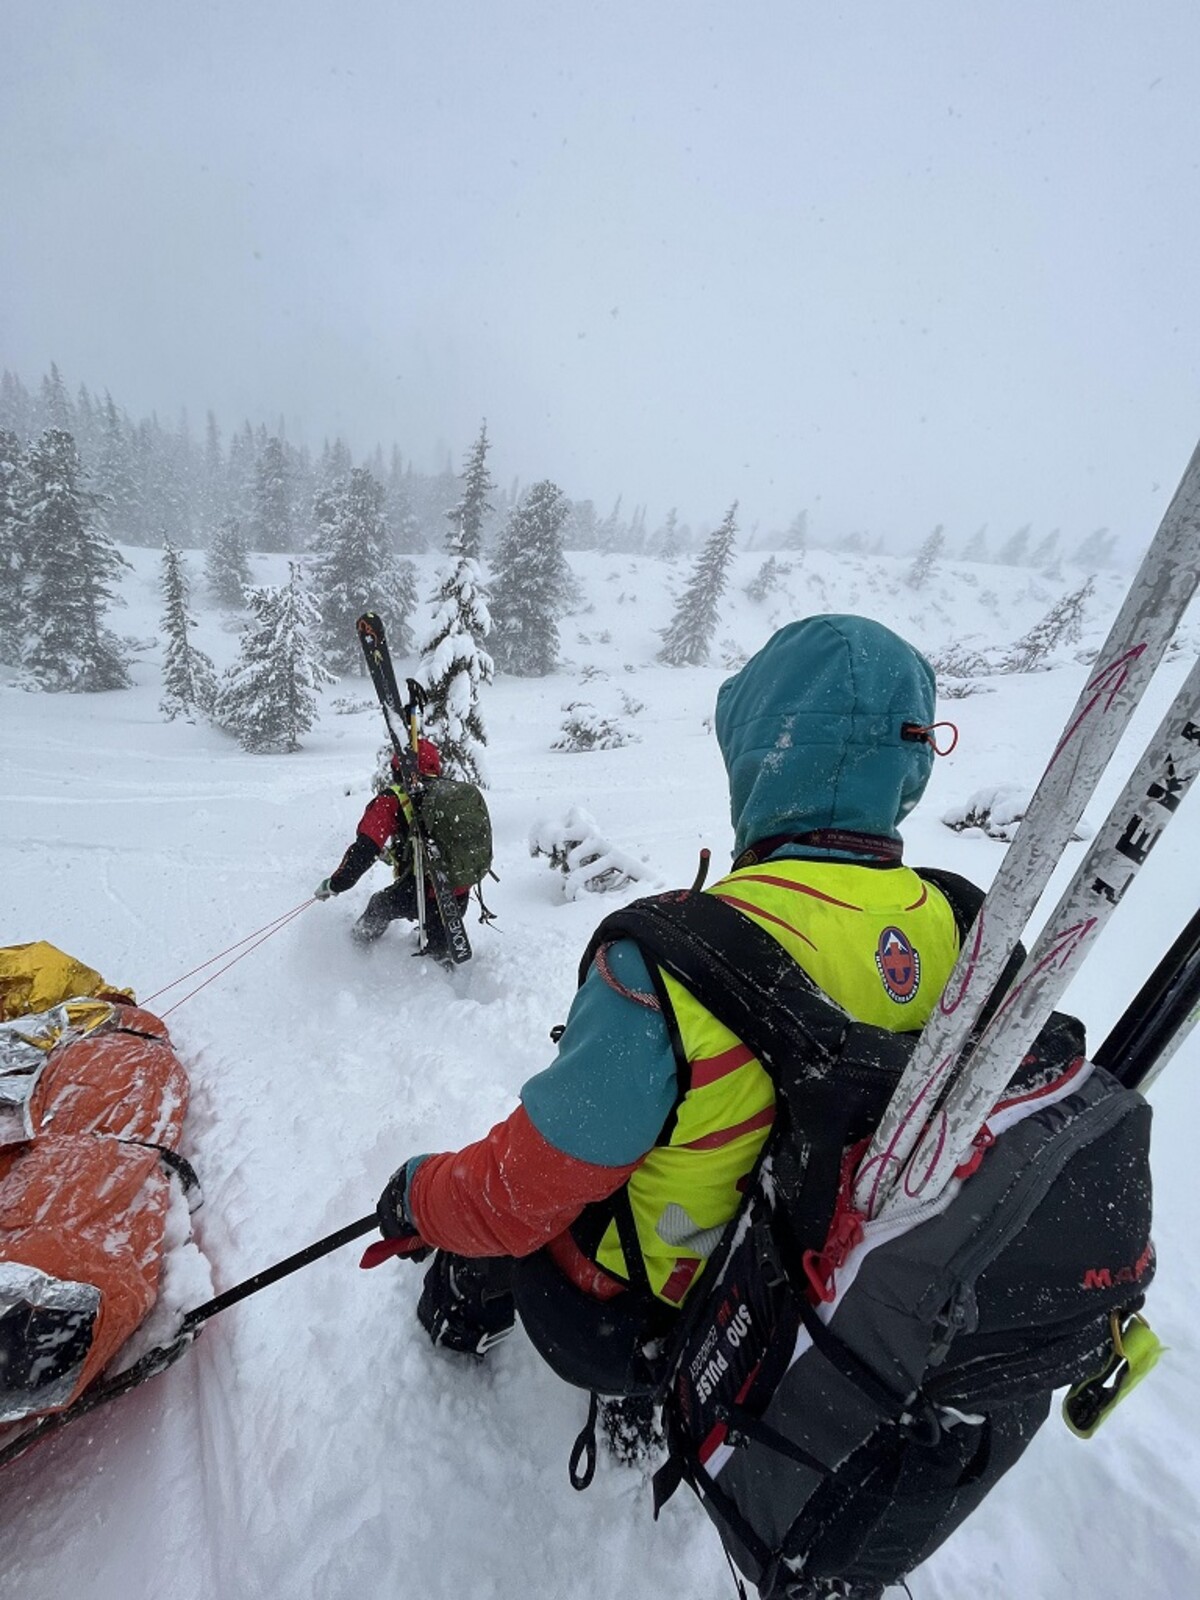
(428, 868)
(841, 1399)
(1150, 799)
(1162, 587)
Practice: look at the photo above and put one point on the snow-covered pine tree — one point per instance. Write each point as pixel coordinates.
(13, 498)
(530, 584)
(766, 580)
(113, 476)
(1045, 555)
(189, 678)
(796, 537)
(268, 697)
(926, 559)
(70, 562)
(356, 570)
(976, 547)
(1014, 552)
(454, 665)
(665, 541)
(1062, 625)
(226, 567)
(467, 516)
(1094, 552)
(271, 521)
(686, 640)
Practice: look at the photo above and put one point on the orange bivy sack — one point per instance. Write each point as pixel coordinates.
(92, 1101)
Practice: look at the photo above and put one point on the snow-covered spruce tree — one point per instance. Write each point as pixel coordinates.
(767, 579)
(1095, 551)
(687, 639)
(271, 523)
(189, 678)
(1061, 626)
(70, 564)
(796, 538)
(356, 570)
(454, 665)
(926, 559)
(530, 584)
(268, 697)
(665, 541)
(13, 497)
(226, 569)
(468, 514)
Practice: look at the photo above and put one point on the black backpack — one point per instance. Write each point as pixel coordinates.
(837, 1426)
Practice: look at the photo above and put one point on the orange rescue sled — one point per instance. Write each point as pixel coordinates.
(92, 1100)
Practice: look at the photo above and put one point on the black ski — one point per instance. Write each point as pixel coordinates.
(403, 725)
(1159, 1018)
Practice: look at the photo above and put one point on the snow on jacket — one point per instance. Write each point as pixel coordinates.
(817, 734)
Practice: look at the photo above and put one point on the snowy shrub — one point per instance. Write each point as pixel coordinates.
(592, 673)
(733, 657)
(586, 728)
(961, 688)
(630, 705)
(573, 845)
(347, 706)
(998, 811)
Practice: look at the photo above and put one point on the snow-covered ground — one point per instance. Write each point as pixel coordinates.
(312, 1446)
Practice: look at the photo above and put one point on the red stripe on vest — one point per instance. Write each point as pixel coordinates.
(764, 916)
(796, 888)
(723, 1136)
(707, 1069)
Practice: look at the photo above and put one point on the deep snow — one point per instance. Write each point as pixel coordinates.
(312, 1444)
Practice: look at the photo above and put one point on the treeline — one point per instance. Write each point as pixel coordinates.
(157, 484)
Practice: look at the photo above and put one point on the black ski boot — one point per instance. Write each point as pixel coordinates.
(467, 1305)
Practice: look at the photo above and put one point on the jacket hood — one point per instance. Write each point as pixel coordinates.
(810, 730)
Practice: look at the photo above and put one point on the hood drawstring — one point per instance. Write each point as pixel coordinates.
(923, 733)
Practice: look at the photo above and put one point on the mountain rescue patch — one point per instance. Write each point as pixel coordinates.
(899, 965)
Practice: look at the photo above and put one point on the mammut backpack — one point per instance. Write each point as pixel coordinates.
(455, 817)
(842, 1395)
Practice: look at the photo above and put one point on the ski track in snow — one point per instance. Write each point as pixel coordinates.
(312, 1443)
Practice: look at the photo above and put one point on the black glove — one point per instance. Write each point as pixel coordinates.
(392, 1210)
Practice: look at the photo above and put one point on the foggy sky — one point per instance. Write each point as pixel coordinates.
(899, 262)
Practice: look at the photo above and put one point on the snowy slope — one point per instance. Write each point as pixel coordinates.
(312, 1444)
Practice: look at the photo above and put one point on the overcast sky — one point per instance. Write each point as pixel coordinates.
(900, 262)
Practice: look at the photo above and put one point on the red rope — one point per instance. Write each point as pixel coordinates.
(260, 936)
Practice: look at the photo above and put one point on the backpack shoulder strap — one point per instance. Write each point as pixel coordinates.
(737, 971)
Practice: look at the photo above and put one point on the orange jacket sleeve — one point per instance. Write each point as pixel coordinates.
(508, 1194)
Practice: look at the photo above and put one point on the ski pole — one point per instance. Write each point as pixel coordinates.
(1159, 1017)
(281, 1269)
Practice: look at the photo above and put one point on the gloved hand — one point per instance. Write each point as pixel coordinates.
(323, 891)
(400, 1237)
(395, 1221)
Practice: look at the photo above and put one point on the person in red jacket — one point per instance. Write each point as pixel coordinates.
(385, 824)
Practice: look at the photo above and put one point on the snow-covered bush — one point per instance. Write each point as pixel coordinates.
(587, 728)
(998, 811)
(573, 845)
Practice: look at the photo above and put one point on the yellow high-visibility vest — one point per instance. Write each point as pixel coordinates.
(879, 943)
